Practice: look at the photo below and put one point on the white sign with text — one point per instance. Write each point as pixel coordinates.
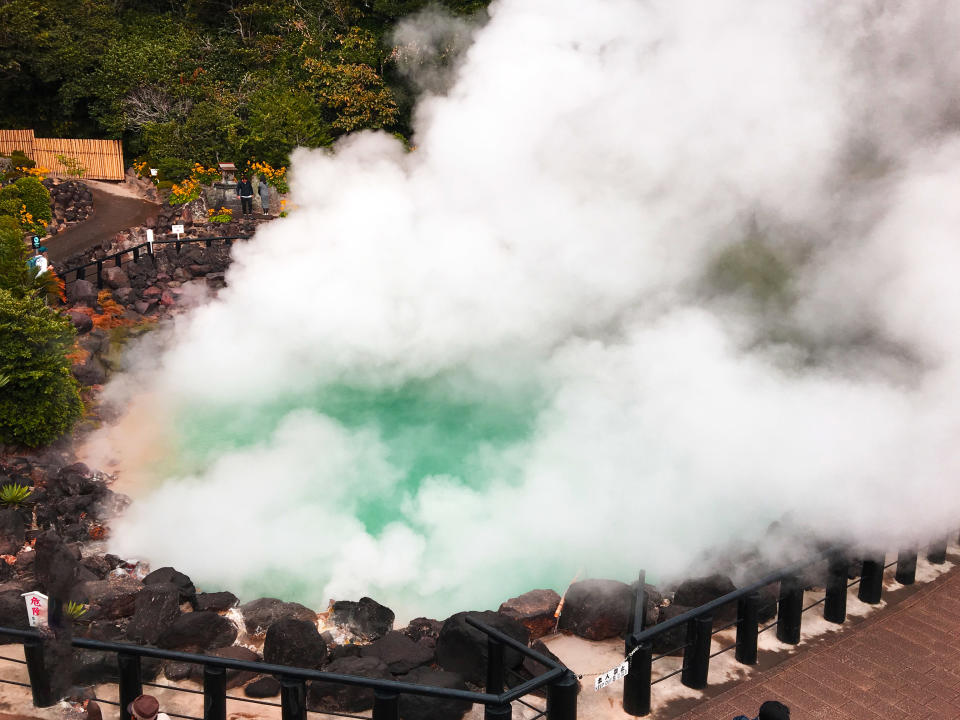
(36, 608)
(610, 676)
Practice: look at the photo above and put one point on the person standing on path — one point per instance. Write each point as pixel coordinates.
(245, 192)
(264, 196)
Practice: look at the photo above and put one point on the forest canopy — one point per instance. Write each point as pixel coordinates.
(184, 81)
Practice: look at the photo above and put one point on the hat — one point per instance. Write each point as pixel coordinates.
(144, 707)
(773, 710)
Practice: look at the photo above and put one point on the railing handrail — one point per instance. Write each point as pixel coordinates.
(709, 607)
(556, 669)
(141, 246)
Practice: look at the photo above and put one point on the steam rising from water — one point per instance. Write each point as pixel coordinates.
(656, 274)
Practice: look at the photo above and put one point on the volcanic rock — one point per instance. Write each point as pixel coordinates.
(597, 609)
(106, 630)
(168, 575)
(98, 565)
(56, 566)
(82, 292)
(198, 630)
(260, 614)
(115, 278)
(155, 609)
(325, 696)
(92, 667)
(81, 321)
(699, 591)
(532, 668)
(462, 648)
(11, 532)
(92, 372)
(235, 678)
(398, 652)
(13, 614)
(264, 687)
(153, 292)
(421, 707)
(114, 597)
(294, 642)
(216, 601)
(177, 670)
(672, 640)
(423, 628)
(534, 610)
(125, 295)
(366, 618)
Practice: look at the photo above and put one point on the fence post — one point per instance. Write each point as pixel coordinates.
(906, 567)
(937, 552)
(835, 605)
(293, 698)
(99, 274)
(131, 685)
(214, 693)
(789, 610)
(81, 273)
(498, 712)
(871, 581)
(177, 245)
(37, 671)
(495, 666)
(747, 617)
(208, 242)
(636, 685)
(136, 254)
(696, 655)
(386, 705)
(116, 259)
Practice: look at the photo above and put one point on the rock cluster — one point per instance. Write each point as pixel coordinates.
(70, 201)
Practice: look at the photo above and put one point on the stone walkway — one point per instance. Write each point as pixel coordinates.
(901, 662)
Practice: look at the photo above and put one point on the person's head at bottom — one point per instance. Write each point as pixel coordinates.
(144, 707)
(773, 710)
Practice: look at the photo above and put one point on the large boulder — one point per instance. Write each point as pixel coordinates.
(82, 321)
(366, 618)
(295, 642)
(164, 575)
(215, 601)
(114, 597)
(326, 696)
(399, 652)
(597, 609)
(115, 278)
(92, 667)
(699, 591)
(422, 628)
(92, 372)
(422, 707)
(267, 686)
(462, 648)
(82, 292)
(13, 614)
(198, 631)
(672, 640)
(235, 678)
(12, 532)
(260, 614)
(534, 610)
(155, 609)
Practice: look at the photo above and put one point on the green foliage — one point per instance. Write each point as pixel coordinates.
(75, 610)
(41, 401)
(10, 201)
(15, 274)
(36, 197)
(12, 495)
(72, 166)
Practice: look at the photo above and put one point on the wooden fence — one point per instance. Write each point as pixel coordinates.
(103, 159)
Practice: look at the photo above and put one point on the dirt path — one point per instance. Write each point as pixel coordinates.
(113, 211)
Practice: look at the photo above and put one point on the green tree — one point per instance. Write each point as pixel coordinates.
(41, 400)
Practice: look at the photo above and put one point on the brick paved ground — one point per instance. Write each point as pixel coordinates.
(903, 662)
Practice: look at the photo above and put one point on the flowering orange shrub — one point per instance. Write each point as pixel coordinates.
(275, 177)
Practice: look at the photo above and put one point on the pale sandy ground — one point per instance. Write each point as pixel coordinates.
(581, 656)
(123, 189)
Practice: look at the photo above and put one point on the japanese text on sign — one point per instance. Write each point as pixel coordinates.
(612, 675)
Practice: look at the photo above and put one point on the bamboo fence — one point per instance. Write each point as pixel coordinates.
(103, 159)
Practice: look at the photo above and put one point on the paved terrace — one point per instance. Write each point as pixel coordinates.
(902, 661)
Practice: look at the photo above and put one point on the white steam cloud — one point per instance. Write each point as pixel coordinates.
(716, 242)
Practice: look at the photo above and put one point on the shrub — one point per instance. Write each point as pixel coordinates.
(75, 610)
(41, 401)
(36, 197)
(15, 275)
(12, 494)
(10, 201)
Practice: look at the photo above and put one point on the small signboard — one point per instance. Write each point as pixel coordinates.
(36, 242)
(36, 608)
(150, 239)
(153, 172)
(177, 230)
(618, 673)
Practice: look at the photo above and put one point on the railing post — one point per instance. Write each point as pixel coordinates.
(99, 274)
(906, 567)
(636, 685)
(696, 656)
(386, 705)
(293, 698)
(748, 611)
(214, 693)
(37, 671)
(116, 258)
(136, 254)
(495, 666)
(835, 605)
(871, 581)
(177, 245)
(937, 552)
(562, 698)
(498, 712)
(131, 684)
(81, 273)
(789, 610)
(209, 242)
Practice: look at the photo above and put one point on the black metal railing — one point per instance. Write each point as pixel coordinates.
(146, 249)
(790, 608)
(560, 682)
